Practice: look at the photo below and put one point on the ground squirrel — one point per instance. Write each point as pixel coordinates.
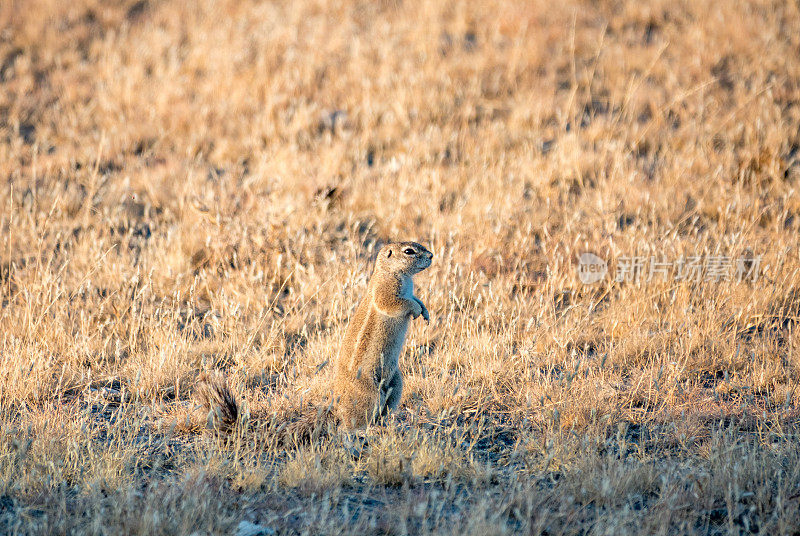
(367, 382)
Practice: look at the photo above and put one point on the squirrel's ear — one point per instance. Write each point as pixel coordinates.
(389, 253)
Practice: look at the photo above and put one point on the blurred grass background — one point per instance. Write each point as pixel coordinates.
(189, 186)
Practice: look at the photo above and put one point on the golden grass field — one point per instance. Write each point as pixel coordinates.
(191, 186)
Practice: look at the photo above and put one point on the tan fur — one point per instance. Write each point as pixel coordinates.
(367, 381)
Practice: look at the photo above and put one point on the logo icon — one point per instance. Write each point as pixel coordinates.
(591, 268)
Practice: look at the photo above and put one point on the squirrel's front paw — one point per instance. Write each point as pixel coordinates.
(422, 310)
(417, 309)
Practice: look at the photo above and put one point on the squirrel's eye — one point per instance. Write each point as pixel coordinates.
(409, 251)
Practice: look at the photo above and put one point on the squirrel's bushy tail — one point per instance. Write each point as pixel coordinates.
(303, 424)
(214, 394)
(309, 423)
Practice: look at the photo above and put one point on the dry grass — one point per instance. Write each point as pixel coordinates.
(197, 186)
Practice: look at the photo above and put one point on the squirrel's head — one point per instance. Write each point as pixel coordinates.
(404, 257)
